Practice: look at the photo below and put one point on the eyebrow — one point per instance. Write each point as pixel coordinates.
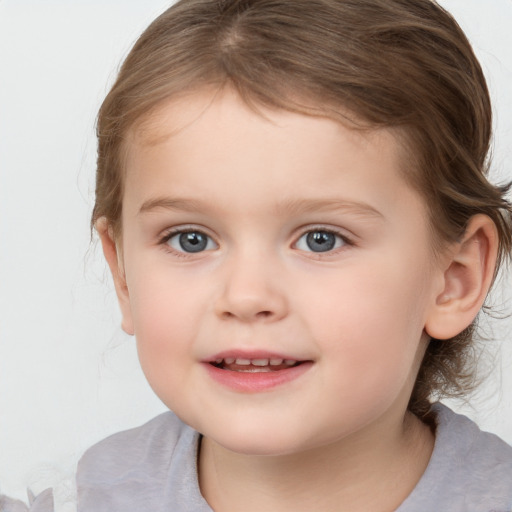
(329, 204)
(170, 203)
(289, 206)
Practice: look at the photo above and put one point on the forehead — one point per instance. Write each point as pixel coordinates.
(215, 140)
(183, 110)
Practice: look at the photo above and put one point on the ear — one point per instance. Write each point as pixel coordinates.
(466, 280)
(114, 260)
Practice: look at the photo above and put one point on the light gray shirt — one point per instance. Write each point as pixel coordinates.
(154, 468)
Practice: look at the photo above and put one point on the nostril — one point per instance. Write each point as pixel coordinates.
(249, 307)
(260, 314)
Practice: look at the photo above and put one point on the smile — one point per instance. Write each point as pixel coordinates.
(254, 373)
(254, 365)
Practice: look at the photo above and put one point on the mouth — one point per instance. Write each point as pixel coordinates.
(255, 372)
(257, 365)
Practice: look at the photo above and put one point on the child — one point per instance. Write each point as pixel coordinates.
(291, 197)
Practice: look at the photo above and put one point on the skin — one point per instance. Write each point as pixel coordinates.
(360, 314)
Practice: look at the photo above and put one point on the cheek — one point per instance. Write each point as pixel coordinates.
(161, 297)
(371, 322)
(370, 292)
(166, 314)
(165, 324)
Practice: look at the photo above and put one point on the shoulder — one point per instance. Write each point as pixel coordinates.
(156, 439)
(470, 470)
(475, 451)
(139, 469)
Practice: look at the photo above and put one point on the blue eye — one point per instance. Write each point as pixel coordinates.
(320, 241)
(191, 242)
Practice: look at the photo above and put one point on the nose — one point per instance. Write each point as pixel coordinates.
(252, 291)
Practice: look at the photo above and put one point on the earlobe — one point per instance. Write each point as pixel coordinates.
(111, 253)
(466, 280)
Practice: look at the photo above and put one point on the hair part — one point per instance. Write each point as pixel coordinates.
(400, 64)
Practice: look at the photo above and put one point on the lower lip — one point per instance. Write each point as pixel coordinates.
(256, 382)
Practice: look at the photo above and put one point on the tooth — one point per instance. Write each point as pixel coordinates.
(289, 362)
(229, 360)
(259, 362)
(252, 369)
(243, 361)
(218, 361)
(276, 362)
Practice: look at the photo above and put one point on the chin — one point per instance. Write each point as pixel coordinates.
(259, 448)
(264, 442)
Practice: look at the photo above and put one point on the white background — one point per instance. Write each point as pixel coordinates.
(68, 375)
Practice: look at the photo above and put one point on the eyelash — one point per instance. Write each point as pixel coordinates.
(164, 241)
(345, 240)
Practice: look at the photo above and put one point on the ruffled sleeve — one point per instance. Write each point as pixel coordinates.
(43, 502)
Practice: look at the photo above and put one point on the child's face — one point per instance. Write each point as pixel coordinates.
(302, 242)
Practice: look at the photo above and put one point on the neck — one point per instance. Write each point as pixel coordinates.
(353, 474)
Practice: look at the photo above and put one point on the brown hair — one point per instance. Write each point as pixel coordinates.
(404, 64)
